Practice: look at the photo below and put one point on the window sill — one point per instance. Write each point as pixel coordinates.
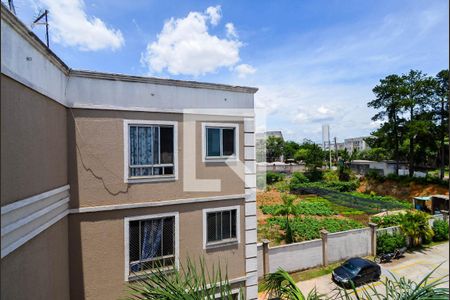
(225, 243)
(142, 275)
(213, 159)
(150, 179)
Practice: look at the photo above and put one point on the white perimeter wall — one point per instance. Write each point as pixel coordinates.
(346, 244)
(305, 255)
(296, 256)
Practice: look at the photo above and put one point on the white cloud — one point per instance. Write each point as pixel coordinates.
(231, 31)
(215, 14)
(71, 26)
(244, 69)
(184, 46)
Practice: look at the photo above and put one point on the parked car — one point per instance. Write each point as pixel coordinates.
(357, 270)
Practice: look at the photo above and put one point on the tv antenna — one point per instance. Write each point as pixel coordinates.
(11, 6)
(39, 18)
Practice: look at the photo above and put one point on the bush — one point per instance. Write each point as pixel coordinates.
(330, 175)
(272, 177)
(387, 243)
(387, 221)
(308, 228)
(440, 229)
(314, 175)
(297, 180)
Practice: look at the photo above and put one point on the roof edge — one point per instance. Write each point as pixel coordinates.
(32, 38)
(161, 81)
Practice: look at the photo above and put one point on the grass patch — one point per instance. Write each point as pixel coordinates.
(314, 273)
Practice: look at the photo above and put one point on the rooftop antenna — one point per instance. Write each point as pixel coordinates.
(11, 6)
(36, 22)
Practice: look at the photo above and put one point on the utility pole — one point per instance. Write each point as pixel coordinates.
(335, 149)
(11, 6)
(35, 22)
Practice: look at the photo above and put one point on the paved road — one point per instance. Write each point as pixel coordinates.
(413, 266)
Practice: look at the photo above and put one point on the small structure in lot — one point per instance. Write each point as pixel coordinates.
(383, 168)
(434, 204)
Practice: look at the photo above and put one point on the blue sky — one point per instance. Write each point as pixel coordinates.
(315, 62)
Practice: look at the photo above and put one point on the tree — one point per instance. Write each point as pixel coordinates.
(440, 109)
(287, 209)
(311, 154)
(388, 100)
(415, 225)
(416, 91)
(274, 148)
(289, 149)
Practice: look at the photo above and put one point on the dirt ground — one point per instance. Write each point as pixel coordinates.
(401, 190)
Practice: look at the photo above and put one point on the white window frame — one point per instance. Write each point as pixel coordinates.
(127, 221)
(126, 151)
(222, 243)
(205, 156)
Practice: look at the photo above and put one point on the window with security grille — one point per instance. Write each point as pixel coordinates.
(220, 142)
(221, 226)
(151, 244)
(151, 150)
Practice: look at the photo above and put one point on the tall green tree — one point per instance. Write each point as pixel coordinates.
(441, 112)
(311, 154)
(388, 101)
(274, 148)
(289, 149)
(416, 91)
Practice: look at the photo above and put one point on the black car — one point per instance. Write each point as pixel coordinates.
(356, 270)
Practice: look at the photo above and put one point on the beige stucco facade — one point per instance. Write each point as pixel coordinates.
(39, 268)
(34, 142)
(96, 159)
(97, 247)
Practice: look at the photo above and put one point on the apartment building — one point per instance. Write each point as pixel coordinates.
(106, 175)
(356, 144)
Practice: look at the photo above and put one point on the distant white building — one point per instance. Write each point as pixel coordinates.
(357, 143)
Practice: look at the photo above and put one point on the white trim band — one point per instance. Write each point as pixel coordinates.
(155, 204)
(24, 219)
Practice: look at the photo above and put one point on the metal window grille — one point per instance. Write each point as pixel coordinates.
(226, 142)
(221, 225)
(152, 153)
(151, 244)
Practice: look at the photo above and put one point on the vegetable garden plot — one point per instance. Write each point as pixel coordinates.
(369, 205)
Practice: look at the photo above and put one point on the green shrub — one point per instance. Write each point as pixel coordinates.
(314, 175)
(342, 186)
(387, 243)
(308, 228)
(440, 229)
(387, 221)
(297, 180)
(272, 177)
(330, 175)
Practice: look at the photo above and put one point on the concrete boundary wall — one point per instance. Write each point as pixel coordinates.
(332, 247)
(351, 243)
